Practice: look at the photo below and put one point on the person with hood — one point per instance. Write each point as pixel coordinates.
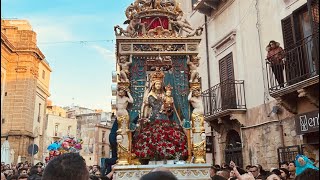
(303, 163)
(275, 57)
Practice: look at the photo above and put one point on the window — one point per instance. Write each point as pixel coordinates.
(39, 117)
(103, 151)
(228, 94)
(110, 152)
(43, 74)
(3, 121)
(69, 129)
(56, 130)
(103, 136)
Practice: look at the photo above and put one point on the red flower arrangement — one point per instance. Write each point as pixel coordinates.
(161, 139)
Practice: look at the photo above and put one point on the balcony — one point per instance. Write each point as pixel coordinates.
(224, 99)
(114, 88)
(113, 104)
(297, 74)
(206, 6)
(114, 76)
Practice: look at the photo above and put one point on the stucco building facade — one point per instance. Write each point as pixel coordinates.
(253, 117)
(57, 125)
(95, 135)
(25, 79)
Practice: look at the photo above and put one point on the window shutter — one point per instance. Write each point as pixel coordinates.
(314, 9)
(228, 96)
(226, 68)
(288, 32)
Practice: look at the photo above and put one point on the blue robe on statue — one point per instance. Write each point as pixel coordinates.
(156, 105)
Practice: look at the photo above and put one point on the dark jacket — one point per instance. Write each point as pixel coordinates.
(217, 177)
(34, 177)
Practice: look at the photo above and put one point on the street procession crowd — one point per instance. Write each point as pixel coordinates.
(72, 166)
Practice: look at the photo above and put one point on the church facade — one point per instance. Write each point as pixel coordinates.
(25, 78)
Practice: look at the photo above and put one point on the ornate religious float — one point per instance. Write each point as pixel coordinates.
(159, 105)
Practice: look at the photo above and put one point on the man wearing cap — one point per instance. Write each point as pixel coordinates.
(40, 169)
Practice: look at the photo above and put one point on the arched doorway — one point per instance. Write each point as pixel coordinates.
(233, 150)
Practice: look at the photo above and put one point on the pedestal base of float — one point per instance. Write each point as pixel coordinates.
(181, 171)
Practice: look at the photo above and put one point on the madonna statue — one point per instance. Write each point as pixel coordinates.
(157, 137)
(154, 98)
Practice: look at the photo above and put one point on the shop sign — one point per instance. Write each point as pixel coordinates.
(307, 122)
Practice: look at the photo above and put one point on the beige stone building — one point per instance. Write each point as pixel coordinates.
(57, 125)
(259, 114)
(93, 127)
(95, 143)
(25, 77)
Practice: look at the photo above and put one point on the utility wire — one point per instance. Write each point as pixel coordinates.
(80, 42)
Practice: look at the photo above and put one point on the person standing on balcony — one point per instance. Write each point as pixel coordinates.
(275, 57)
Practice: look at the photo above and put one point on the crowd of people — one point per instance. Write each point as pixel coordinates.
(72, 166)
(294, 170)
(21, 171)
(27, 171)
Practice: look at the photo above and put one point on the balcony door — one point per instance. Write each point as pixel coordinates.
(299, 41)
(227, 85)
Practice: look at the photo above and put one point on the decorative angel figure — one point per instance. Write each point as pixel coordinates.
(124, 64)
(181, 25)
(193, 65)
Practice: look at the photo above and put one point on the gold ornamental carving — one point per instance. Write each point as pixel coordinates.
(195, 172)
(204, 172)
(123, 155)
(126, 47)
(159, 32)
(198, 123)
(121, 174)
(130, 174)
(156, 10)
(192, 47)
(199, 152)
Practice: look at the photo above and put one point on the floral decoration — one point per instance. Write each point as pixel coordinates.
(159, 140)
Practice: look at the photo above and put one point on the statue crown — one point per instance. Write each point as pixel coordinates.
(158, 75)
(168, 87)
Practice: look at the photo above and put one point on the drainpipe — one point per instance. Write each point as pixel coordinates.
(207, 53)
(265, 94)
(209, 79)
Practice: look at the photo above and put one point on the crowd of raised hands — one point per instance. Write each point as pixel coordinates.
(300, 169)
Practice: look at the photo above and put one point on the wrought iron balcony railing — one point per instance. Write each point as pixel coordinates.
(295, 64)
(227, 95)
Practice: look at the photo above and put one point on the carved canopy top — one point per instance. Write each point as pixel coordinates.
(146, 8)
(156, 19)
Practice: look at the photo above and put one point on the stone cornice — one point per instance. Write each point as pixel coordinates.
(126, 46)
(18, 133)
(42, 93)
(13, 49)
(225, 42)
